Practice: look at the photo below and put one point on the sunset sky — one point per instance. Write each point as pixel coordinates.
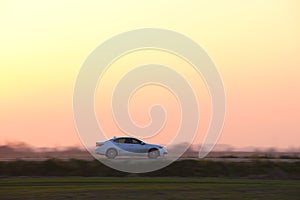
(255, 45)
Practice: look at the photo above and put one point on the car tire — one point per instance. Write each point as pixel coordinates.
(153, 153)
(111, 153)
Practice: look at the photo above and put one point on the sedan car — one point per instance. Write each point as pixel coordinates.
(129, 146)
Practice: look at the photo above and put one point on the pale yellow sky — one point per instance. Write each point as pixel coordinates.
(254, 44)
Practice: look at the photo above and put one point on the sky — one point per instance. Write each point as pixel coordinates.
(255, 46)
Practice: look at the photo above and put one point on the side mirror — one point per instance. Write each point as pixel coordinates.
(143, 143)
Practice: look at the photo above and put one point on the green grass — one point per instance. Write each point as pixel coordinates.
(147, 188)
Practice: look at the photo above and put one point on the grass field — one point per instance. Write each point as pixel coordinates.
(147, 188)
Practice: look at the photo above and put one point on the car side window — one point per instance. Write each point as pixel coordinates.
(128, 141)
(120, 140)
(134, 141)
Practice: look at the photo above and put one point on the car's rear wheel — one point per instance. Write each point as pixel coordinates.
(153, 153)
(111, 153)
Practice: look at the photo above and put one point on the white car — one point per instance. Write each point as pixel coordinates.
(129, 146)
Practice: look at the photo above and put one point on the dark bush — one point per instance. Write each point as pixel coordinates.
(184, 168)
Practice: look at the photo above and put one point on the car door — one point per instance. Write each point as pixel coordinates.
(123, 145)
(138, 146)
(129, 146)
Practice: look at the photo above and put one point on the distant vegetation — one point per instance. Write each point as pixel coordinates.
(78, 162)
(183, 168)
(22, 150)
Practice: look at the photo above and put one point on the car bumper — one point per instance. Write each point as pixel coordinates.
(100, 151)
(163, 152)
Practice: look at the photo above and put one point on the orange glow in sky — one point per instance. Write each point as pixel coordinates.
(254, 44)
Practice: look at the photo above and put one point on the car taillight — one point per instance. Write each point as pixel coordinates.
(98, 145)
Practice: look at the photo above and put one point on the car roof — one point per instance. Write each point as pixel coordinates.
(123, 137)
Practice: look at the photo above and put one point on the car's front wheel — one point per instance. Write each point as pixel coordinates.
(153, 153)
(111, 153)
